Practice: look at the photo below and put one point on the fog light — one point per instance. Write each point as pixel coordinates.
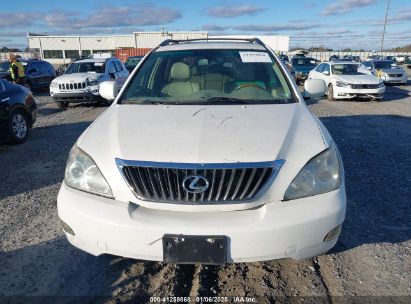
(67, 228)
(333, 234)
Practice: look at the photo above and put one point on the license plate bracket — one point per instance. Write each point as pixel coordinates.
(195, 249)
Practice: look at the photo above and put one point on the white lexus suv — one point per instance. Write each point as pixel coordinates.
(80, 82)
(208, 154)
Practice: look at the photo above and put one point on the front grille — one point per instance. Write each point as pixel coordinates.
(72, 86)
(364, 86)
(395, 75)
(227, 183)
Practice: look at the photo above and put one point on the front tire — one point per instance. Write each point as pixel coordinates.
(62, 104)
(18, 127)
(330, 93)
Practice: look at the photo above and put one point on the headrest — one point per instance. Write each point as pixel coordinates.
(203, 61)
(180, 71)
(245, 72)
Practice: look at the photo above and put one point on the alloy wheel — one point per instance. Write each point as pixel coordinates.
(19, 126)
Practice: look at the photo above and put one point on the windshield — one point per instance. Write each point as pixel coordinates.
(345, 69)
(209, 77)
(304, 61)
(382, 65)
(4, 66)
(132, 61)
(84, 67)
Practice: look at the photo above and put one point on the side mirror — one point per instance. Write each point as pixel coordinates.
(314, 88)
(326, 72)
(108, 90)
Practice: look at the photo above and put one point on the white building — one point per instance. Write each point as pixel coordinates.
(59, 49)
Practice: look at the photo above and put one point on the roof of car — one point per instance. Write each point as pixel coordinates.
(341, 62)
(380, 60)
(201, 45)
(92, 60)
(298, 57)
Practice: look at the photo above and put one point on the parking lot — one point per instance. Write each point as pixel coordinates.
(371, 262)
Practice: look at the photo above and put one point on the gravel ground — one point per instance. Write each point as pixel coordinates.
(371, 262)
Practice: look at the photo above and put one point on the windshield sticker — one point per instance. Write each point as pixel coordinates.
(255, 57)
(99, 63)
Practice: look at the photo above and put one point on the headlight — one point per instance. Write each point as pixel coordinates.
(342, 84)
(92, 82)
(54, 84)
(320, 175)
(83, 174)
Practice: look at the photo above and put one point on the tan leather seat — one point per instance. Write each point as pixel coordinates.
(213, 78)
(194, 74)
(180, 85)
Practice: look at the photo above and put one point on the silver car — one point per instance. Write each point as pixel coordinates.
(387, 71)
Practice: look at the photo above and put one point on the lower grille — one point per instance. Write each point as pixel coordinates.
(74, 98)
(197, 183)
(364, 86)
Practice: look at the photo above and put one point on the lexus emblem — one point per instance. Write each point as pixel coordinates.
(195, 184)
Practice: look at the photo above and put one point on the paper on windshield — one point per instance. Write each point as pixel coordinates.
(255, 57)
(99, 63)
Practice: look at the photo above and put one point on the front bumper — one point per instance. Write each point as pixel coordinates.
(347, 92)
(75, 95)
(293, 229)
(390, 79)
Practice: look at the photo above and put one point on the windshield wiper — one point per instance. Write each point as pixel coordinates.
(130, 101)
(148, 101)
(228, 100)
(246, 101)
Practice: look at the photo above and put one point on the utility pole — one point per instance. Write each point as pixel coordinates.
(313, 42)
(385, 24)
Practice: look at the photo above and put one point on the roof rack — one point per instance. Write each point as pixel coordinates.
(172, 41)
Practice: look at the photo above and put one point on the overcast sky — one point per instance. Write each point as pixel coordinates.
(332, 23)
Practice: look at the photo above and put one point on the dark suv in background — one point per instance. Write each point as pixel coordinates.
(301, 67)
(39, 73)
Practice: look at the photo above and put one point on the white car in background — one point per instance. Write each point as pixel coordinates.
(208, 155)
(81, 81)
(348, 80)
(401, 58)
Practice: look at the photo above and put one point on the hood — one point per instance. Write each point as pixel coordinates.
(358, 79)
(203, 134)
(393, 71)
(77, 77)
